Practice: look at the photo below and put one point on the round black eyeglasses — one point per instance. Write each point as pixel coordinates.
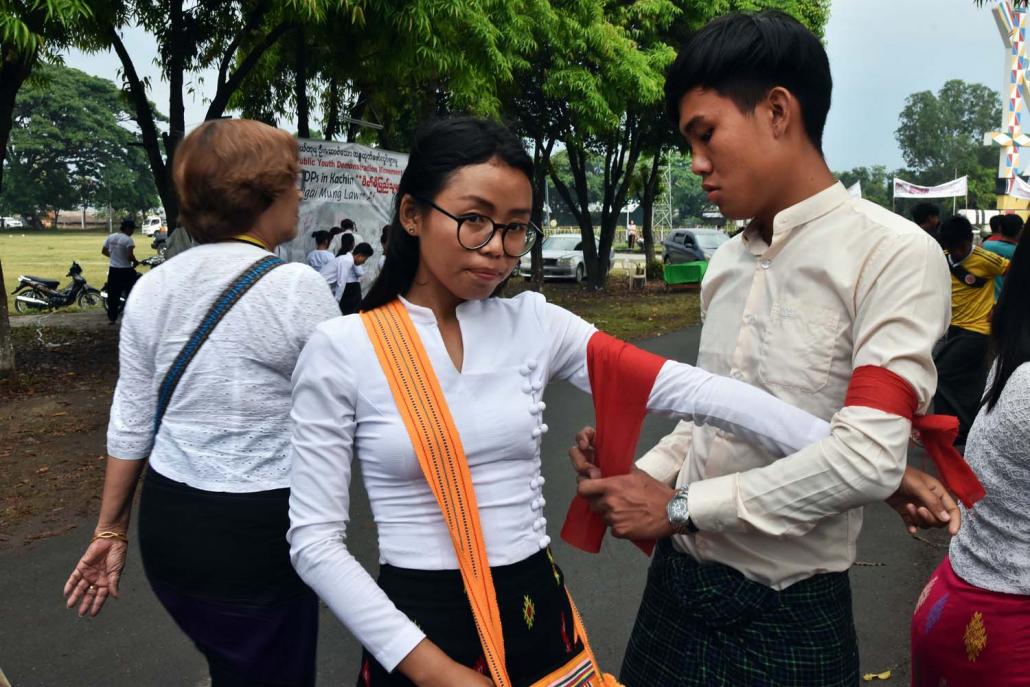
(475, 231)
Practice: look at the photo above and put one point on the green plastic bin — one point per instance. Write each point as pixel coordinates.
(685, 273)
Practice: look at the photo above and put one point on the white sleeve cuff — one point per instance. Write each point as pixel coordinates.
(713, 504)
(661, 466)
(401, 645)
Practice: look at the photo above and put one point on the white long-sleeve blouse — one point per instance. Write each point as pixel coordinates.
(343, 409)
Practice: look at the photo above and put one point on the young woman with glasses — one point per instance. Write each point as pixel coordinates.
(462, 220)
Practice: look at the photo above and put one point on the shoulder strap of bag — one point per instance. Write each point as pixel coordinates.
(222, 305)
(422, 406)
(967, 277)
(434, 436)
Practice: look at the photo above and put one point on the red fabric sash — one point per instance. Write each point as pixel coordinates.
(621, 378)
(879, 388)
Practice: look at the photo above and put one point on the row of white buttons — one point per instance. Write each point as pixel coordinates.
(536, 410)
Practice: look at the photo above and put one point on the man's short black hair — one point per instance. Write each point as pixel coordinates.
(995, 223)
(955, 231)
(744, 56)
(363, 249)
(924, 211)
(1011, 225)
(346, 224)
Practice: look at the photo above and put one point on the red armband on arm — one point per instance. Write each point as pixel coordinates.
(879, 388)
(621, 379)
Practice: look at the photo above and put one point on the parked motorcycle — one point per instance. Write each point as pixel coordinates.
(40, 293)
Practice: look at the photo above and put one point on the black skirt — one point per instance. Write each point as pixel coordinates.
(219, 563)
(536, 616)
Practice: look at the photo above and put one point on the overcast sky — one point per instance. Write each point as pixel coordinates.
(880, 52)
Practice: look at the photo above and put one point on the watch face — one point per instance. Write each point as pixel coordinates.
(678, 513)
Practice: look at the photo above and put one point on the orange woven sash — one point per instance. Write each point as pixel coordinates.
(423, 407)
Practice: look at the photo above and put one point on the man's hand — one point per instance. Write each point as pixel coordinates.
(923, 502)
(582, 455)
(633, 505)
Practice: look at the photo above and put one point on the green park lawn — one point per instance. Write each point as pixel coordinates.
(50, 254)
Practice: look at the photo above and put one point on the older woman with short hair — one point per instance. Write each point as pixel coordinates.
(208, 346)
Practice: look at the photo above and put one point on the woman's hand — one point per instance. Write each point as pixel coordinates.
(96, 576)
(428, 666)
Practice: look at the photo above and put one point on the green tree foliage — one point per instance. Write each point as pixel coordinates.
(876, 182)
(629, 88)
(392, 61)
(29, 29)
(75, 149)
(230, 37)
(941, 136)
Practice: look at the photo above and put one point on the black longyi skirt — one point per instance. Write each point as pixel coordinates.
(219, 563)
(537, 618)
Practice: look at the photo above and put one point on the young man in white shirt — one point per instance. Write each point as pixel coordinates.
(121, 273)
(749, 584)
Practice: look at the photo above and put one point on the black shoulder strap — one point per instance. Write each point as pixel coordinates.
(967, 277)
(222, 305)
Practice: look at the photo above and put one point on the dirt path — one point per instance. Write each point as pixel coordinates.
(54, 413)
(92, 320)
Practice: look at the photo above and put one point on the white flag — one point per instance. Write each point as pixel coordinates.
(955, 187)
(1019, 188)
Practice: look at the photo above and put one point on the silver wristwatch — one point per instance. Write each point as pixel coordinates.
(679, 513)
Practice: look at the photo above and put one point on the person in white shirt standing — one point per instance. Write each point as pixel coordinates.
(749, 584)
(213, 510)
(346, 227)
(349, 272)
(320, 257)
(121, 274)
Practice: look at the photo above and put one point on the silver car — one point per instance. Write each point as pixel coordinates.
(563, 258)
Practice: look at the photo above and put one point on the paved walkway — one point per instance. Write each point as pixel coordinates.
(134, 643)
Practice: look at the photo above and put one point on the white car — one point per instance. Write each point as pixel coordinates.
(152, 225)
(12, 223)
(563, 258)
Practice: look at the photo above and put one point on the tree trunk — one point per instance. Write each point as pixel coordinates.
(14, 69)
(301, 85)
(6, 345)
(231, 84)
(148, 132)
(580, 206)
(647, 206)
(541, 163)
(332, 120)
(357, 112)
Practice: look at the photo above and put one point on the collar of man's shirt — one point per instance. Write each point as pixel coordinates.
(797, 215)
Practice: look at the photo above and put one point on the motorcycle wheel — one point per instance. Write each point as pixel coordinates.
(89, 299)
(22, 308)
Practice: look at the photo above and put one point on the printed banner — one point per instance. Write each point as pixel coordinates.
(1019, 188)
(344, 181)
(956, 187)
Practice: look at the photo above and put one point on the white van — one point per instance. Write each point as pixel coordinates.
(151, 225)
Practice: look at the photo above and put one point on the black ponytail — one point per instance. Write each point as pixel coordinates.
(1010, 324)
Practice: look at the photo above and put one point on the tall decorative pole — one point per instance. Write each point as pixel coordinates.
(1012, 24)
